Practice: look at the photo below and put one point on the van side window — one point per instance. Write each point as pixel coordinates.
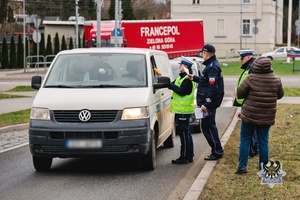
(153, 72)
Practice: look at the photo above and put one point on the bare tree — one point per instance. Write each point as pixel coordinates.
(3, 14)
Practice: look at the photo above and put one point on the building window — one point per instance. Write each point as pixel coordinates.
(220, 27)
(196, 1)
(246, 26)
(246, 1)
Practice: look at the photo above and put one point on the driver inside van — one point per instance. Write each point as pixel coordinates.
(136, 70)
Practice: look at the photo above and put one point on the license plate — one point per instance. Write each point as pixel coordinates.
(84, 144)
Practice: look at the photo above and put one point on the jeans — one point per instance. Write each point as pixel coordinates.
(246, 134)
(253, 145)
(187, 145)
(210, 131)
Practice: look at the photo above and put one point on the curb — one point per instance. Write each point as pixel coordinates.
(198, 185)
(18, 127)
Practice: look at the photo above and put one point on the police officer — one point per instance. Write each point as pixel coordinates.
(246, 57)
(210, 94)
(182, 105)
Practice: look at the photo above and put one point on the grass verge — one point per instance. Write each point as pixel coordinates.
(10, 96)
(21, 88)
(284, 145)
(18, 117)
(280, 67)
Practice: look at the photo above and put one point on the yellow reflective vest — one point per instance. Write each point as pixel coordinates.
(183, 104)
(242, 78)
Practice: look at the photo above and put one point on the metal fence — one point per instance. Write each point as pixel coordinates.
(34, 62)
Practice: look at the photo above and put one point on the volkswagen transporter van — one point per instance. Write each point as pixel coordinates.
(102, 102)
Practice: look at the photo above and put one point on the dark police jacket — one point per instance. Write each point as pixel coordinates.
(210, 90)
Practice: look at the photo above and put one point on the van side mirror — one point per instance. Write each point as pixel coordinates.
(36, 82)
(162, 82)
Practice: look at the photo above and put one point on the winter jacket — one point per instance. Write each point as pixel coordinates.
(260, 89)
(210, 90)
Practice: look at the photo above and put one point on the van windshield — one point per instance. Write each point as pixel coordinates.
(102, 70)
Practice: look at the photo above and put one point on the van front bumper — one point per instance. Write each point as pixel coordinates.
(121, 138)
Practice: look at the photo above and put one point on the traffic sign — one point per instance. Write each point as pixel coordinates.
(36, 20)
(255, 21)
(255, 30)
(36, 36)
(119, 40)
(118, 30)
(297, 22)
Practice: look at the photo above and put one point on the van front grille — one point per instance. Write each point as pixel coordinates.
(96, 115)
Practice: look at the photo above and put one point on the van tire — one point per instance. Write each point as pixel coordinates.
(169, 143)
(148, 162)
(41, 163)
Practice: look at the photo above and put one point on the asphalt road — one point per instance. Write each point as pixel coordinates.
(105, 178)
(97, 178)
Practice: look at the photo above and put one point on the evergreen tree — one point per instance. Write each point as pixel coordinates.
(79, 41)
(10, 15)
(88, 9)
(111, 10)
(0, 57)
(56, 44)
(42, 48)
(4, 61)
(34, 53)
(71, 45)
(49, 50)
(83, 41)
(26, 47)
(20, 53)
(127, 10)
(12, 55)
(63, 44)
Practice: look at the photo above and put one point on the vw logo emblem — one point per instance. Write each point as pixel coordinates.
(84, 115)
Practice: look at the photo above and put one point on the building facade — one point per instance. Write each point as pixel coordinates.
(231, 25)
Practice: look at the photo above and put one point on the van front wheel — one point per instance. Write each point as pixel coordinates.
(148, 162)
(41, 163)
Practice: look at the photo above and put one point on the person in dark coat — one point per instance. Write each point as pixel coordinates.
(260, 91)
(210, 94)
(246, 57)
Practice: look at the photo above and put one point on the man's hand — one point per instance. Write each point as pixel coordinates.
(191, 76)
(203, 108)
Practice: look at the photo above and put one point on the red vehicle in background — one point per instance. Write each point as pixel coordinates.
(176, 37)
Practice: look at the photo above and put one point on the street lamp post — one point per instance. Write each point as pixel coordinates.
(76, 26)
(99, 5)
(241, 27)
(276, 6)
(24, 39)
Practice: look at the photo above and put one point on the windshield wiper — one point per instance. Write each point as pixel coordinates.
(59, 86)
(109, 86)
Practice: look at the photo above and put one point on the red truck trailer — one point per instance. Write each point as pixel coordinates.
(176, 37)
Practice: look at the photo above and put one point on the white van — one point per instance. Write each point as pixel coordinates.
(102, 101)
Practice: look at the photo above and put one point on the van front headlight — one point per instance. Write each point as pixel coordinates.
(135, 113)
(40, 113)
